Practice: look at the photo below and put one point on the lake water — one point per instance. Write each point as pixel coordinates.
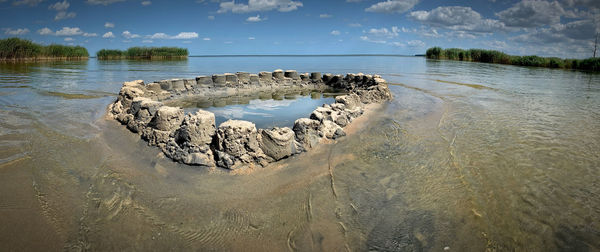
(467, 156)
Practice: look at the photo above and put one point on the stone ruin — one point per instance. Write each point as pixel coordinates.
(194, 139)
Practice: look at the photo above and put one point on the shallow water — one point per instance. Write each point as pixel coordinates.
(468, 156)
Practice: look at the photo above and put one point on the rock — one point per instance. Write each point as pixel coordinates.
(277, 143)
(165, 85)
(330, 130)
(307, 132)
(167, 118)
(196, 129)
(237, 144)
(265, 76)
(155, 87)
(243, 77)
(204, 81)
(351, 101)
(218, 80)
(374, 94)
(292, 74)
(321, 113)
(278, 74)
(177, 85)
(305, 77)
(190, 84)
(126, 95)
(327, 77)
(231, 79)
(315, 76)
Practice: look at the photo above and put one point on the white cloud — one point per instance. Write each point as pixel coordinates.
(415, 43)
(146, 3)
(108, 35)
(181, 35)
(27, 2)
(393, 6)
(20, 31)
(85, 34)
(109, 25)
(259, 5)
(206, 39)
(325, 16)
(532, 14)
(68, 31)
(384, 32)
(251, 38)
(458, 18)
(254, 19)
(64, 15)
(366, 38)
(185, 35)
(59, 6)
(103, 2)
(45, 31)
(129, 35)
(69, 39)
(335, 33)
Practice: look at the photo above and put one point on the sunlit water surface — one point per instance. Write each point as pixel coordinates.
(467, 156)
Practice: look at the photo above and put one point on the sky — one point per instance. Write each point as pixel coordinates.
(562, 28)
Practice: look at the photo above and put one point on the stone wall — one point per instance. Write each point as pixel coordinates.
(194, 139)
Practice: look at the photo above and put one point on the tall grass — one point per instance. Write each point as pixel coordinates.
(491, 56)
(144, 53)
(16, 48)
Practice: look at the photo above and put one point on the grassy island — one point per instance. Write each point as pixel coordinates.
(491, 56)
(15, 49)
(144, 53)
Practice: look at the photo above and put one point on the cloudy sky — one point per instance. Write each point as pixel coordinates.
(564, 28)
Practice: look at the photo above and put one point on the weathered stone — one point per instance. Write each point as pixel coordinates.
(278, 74)
(307, 132)
(292, 74)
(243, 77)
(375, 94)
(219, 80)
(327, 77)
(165, 85)
(237, 144)
(315, 76)
(321, 113)
(155, 87)
(305, 77)
(167, 118)
(351, 101)
(189, 84)
(126, 95)
(196, 129)
(204, 81)
(231, 78)
(265, 76)
(330, 129)
(254, 79)
(177, 85)
(277, 143)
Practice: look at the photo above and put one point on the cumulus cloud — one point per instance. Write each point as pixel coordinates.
(129, 35)
(335, 33)
(181, 35)
(530, 14)
(27, 2)
(109, 25)
(108, 35)
(366, 38)
(45, 31)
(457, 18)
(102, 2)
(415, 43)
(85, 34)
(259, 5)
(254, 19)
(68, 31)
(393, 6)
(64, 15)
(592, 4)
(146, 3)
(20, 31)
(384, 32)
(59, 6)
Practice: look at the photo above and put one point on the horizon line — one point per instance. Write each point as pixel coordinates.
(300, 55)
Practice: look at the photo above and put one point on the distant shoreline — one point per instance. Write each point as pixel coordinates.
(299, 55)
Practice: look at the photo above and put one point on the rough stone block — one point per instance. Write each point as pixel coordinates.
(243, 77)
(292, 74)
(165, 85)
(177, 84)
(278, 74)
(196, 129)
(167, 118)
(231, 78)
(237, 144)
(254, 79)
(277, 143)
(307, 132)
(219, 80)
(155, 87)
(316, 76)
(327, 77)
(204, 81)
(265, 76)
(351, 101)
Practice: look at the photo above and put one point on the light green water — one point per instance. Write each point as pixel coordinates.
(467, 156)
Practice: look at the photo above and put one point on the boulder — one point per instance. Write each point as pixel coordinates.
(292, 74)
(278, 74)
(155, 87)
(315, 76)
(307, 132)
(254, 79)
(243, 77)
(231, 78)
(196, 129)
(375, 94)
(177, 85)
(126, 95)
(167, 118)
(165, 85)
(237, 145)
(277, 143)
(321, 113)
(351, 101)
(330, 130)
(204, 81)
(219, 80)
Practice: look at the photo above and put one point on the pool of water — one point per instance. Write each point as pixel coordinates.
(264, 110)
(468, 156)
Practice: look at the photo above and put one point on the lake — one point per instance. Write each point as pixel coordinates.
(467, 157)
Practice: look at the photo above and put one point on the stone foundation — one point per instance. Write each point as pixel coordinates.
(194, 139)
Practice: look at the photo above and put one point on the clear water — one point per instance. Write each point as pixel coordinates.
(467, 156)
(264, 110)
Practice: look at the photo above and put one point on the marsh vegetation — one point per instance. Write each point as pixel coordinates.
(497, 57)
(22, 49)
(143, 53)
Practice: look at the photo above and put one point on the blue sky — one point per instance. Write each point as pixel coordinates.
(564, 28)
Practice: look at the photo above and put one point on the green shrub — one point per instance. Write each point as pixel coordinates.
(15, 48)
